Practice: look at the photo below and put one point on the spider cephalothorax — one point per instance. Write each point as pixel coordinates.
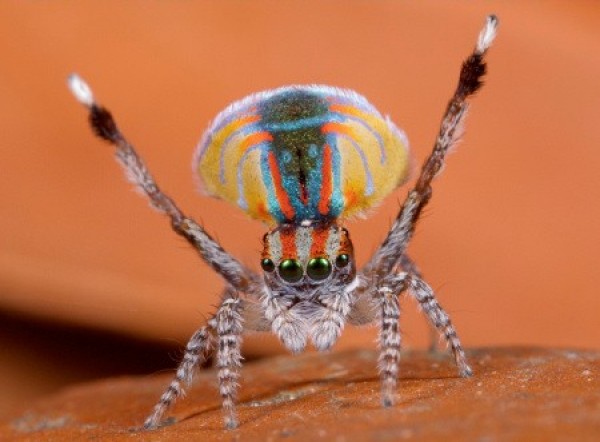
(310, 255)
(306, 268)
(301, 159)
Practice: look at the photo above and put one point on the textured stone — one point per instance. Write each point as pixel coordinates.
(515, 394)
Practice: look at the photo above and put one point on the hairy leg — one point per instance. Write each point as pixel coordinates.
(383, 304)
(228, 324)
(473, 69)
(424, 294)
(388, 301)
(136, 171)
(196, 351)
(410, 267)
(362, 311)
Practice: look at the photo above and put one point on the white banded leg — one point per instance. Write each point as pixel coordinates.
(228, 324)
(424, 294)
(195, 353)
(388, 299)
(410, 267)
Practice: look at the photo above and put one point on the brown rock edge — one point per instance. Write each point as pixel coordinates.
(515, 394)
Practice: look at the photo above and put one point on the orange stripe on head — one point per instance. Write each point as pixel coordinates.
(282, 196)
(288, 244)
(319, 242)
(326, 181)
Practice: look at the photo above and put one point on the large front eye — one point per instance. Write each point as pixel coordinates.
(290, 270)
(318, 268)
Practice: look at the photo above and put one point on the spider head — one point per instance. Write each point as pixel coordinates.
(309, 254)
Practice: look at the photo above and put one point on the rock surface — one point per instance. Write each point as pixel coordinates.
(515, 394)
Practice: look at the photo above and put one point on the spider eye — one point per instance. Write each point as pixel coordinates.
(342, 260)
(290, 270)
(318, 268)
(267, 265)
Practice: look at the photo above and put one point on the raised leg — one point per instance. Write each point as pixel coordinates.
(136, 171)
(196, 351)
(424, 294)
(473, 69)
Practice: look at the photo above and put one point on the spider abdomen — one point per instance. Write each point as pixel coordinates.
(302, 153)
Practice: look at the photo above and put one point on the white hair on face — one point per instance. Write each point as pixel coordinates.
(275, 247)
(303, 243)
(80, 89)
(333, 243)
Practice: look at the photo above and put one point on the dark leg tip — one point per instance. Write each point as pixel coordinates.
(231, 424)
(466, 372)
(149, 427)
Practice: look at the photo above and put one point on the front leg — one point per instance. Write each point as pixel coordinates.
(387, 300)
(228, 323)
(196, 352)
(226, 328)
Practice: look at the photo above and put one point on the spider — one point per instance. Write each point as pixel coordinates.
(302, 159)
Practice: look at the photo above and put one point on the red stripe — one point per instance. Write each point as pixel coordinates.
(319, 241)
(326, 184)
(288, 244)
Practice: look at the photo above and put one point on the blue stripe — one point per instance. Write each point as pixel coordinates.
(304, 123)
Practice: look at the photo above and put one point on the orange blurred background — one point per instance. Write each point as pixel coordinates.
(94, 283)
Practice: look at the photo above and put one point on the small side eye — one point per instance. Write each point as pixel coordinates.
(290, 270)
(342, 260)
(318, 268)
(267, 265)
